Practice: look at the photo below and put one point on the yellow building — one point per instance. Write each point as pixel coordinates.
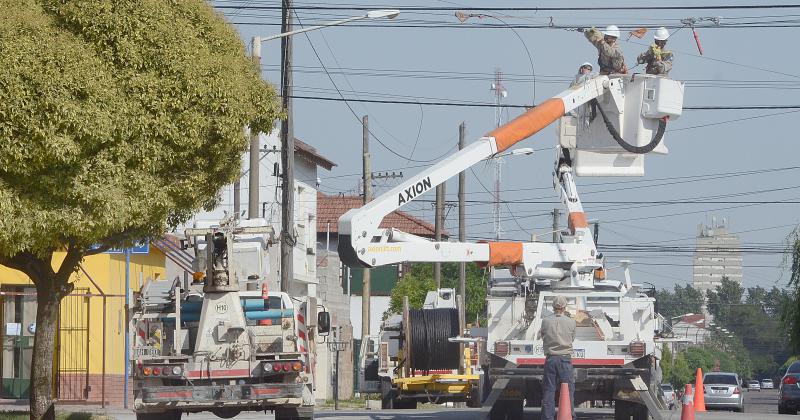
(90, 348)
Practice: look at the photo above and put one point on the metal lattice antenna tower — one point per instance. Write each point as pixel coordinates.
(499, 94)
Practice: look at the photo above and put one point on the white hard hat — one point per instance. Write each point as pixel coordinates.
(661, 34)
(611, 30)
(587, 64)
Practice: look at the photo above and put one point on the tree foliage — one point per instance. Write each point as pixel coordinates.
(418, 281)
(790, 316)
(681, 300)
(118, 120)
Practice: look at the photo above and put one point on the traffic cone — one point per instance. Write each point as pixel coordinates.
(564, 403)
(687, 404)
(699, 398)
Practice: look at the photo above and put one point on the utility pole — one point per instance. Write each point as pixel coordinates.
(596, 231)
(437, 230)
(255, 143)
(287, 152)
(555, 213)
(462, 227)
(367, 180)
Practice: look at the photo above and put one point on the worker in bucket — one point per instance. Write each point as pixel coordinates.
(609, 57)
(584, 74)
(657, 58)
(557, 334)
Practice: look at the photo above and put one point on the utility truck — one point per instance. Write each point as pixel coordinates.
(224, 343)
(606, 126)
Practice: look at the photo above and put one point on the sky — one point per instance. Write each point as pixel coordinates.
(736, 164)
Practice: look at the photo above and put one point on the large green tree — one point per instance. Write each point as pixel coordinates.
(681, 300)
(790, 315)
(418, 281)
(118, 120)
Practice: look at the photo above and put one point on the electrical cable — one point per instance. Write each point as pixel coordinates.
(430, 331)
(639, 150)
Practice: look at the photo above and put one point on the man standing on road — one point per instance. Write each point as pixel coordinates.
(557, 333)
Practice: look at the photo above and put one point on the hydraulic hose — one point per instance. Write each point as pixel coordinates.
(639, 150)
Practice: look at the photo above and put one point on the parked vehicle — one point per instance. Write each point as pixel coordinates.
(789, 390)
(669, 395)
(722, 390)
(753, 385)
(767, 384)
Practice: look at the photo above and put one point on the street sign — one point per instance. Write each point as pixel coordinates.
(139, 248)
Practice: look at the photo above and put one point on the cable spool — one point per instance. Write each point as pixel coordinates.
(429, 330)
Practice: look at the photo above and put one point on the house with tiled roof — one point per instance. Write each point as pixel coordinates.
(383, 279)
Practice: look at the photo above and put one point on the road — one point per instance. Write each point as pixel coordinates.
(765, 403)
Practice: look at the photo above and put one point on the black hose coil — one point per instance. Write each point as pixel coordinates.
(430, 330)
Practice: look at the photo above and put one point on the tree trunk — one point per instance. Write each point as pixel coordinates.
(47, 311)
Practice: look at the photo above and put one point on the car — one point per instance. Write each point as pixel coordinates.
(753, 385)
(789, 390)
(767, 384)
(723, 390)
(669, 395)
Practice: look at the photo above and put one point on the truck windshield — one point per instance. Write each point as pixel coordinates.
(720, 379)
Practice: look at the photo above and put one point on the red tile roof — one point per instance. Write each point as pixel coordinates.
(331, 207)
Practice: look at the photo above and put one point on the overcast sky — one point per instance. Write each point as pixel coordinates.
(746, 159)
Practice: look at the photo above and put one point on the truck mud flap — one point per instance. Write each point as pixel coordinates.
(220, 393)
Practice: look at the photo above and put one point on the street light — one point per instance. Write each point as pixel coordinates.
(287, 136)
(372, 14)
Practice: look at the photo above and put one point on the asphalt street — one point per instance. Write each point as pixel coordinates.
(761, 405)
(764, 404)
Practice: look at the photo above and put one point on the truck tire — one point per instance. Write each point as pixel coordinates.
(387, 394)
(506, 410)
(626, 410)
(166, 415)
(294, 413)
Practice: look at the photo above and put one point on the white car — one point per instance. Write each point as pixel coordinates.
(767, 384)
(753, 385)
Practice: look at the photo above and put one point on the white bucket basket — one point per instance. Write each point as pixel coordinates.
(635, 106)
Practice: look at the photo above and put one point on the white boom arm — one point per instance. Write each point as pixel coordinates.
(362, 243)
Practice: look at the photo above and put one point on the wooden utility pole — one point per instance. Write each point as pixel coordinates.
(255, 143)
(367, 180)
(556, 213)
(462, 227)
(437, 230)
(287, 153)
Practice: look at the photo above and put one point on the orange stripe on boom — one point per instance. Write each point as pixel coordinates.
(577, 220)
(528, 123)
(505, 253)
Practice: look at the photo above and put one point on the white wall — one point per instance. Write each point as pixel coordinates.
(377, 306)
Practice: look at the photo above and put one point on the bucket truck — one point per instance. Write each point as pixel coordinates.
(605, 127)
(224, 343)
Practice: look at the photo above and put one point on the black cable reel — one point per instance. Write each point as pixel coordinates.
(430, 331)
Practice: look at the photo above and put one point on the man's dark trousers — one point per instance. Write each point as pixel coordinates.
(557, 369)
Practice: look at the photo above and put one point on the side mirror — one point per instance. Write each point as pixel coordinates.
(323, 323)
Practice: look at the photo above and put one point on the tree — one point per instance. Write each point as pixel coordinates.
(723, 298)
(790, 315)
(682, 300)
(118, 120)
(418, 281)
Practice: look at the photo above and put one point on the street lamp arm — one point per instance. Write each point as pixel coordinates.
(373, 14)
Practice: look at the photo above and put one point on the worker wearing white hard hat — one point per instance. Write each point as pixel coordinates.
(657, 58)
(557, 333)
(610, 58)
(584, 74)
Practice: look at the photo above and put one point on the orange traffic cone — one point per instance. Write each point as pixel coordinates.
(699, 398)
(687, 403)
(564, 403)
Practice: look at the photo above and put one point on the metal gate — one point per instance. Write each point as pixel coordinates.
(72, 349)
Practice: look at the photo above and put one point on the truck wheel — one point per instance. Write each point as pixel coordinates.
(623, 410)
(387, 402)
(166, 415)
(295, 413)
(226, 413)
(506, 410)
